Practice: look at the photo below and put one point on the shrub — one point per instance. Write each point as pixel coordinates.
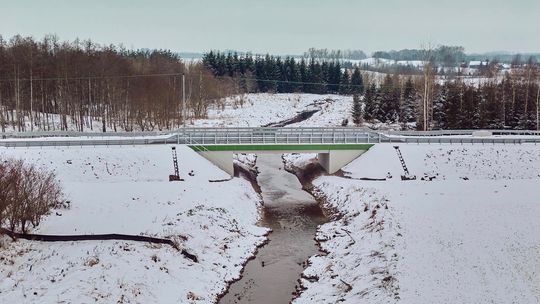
(27, 193)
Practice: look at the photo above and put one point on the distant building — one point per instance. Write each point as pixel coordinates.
(475, 64)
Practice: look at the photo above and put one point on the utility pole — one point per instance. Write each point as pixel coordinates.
(537, 108)
(184, 99)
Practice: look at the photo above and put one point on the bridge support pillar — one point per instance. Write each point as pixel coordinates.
(335, 160)
(222, 159)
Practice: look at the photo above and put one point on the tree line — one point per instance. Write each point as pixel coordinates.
(284, 75)
(335, 54)
(81, 85)
(444, 55)
(512, 103)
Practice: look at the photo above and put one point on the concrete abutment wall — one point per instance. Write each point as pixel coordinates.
(335, 160)
(331, 161)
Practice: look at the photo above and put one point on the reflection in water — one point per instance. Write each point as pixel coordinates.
(293, 215)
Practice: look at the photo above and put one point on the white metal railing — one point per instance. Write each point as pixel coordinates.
(462, 132)
(259, 135)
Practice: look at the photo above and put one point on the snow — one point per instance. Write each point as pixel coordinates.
(126, 190)
(467, 236)
(261, 109)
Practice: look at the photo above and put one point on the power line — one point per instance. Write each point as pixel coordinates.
(174, 75)
(92, 77)
(224, 77)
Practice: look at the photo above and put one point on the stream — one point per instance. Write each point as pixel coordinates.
(293, 215)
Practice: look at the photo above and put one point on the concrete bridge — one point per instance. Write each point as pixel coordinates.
(335, 147)
(332, 157)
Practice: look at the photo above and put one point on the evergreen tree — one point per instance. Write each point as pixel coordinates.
(272, 73)
(439, 114)
(317, 84)
(304, 76)
(389, 102)
(344, 84)
(357, 110)
(371, 103)
(410, 100)
(357, 83)
(452, 105)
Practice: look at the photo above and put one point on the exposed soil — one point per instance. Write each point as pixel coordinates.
(298, 118)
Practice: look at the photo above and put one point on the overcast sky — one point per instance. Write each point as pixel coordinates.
(281, 26)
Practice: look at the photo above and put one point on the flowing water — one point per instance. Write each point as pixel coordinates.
(293, 215)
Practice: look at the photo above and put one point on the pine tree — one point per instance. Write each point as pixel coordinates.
(371, 103)
(272, 73)
(410, 100)
(357, 110)
(439, 114)
(357, 83)
(389, 102)
(344, 84)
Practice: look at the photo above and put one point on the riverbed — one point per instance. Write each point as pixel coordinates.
(293, 215)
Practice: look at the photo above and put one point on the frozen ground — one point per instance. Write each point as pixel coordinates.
(467, 236)
(262, 109)
(126, 190)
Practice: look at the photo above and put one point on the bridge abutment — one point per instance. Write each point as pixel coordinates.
(222, 159)
(331, 161)
(335, 160)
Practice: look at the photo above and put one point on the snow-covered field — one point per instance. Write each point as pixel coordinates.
(126, 190)
(466, 233)
(467, 236)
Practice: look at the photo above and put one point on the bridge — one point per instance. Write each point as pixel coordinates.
(335, 146)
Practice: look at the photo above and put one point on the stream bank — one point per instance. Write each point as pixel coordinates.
(293, 215)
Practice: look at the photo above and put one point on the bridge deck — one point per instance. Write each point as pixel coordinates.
(306, 137)
(282, 147)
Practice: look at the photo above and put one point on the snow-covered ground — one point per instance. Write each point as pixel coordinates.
(467, 236)
(126, 190)
(252, 110)
(262, 109)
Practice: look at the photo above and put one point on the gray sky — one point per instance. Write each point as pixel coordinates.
(281, 26)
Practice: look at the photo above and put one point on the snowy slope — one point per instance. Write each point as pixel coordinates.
(264, 108)
(450, 240)
(126, 190)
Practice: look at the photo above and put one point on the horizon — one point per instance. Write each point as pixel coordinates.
(201, 26)
(202, 52)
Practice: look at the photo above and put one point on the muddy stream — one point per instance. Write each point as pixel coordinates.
(293, 215)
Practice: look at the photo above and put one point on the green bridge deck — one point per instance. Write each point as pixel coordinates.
(281, 147)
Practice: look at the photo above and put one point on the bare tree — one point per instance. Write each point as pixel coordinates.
(428, 86)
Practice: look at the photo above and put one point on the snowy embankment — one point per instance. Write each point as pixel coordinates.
(262, 109)
(126, 190)
(466, 236)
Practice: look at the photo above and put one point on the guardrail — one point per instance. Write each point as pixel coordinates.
(461, 132)
(189, 130)
(239, 136)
